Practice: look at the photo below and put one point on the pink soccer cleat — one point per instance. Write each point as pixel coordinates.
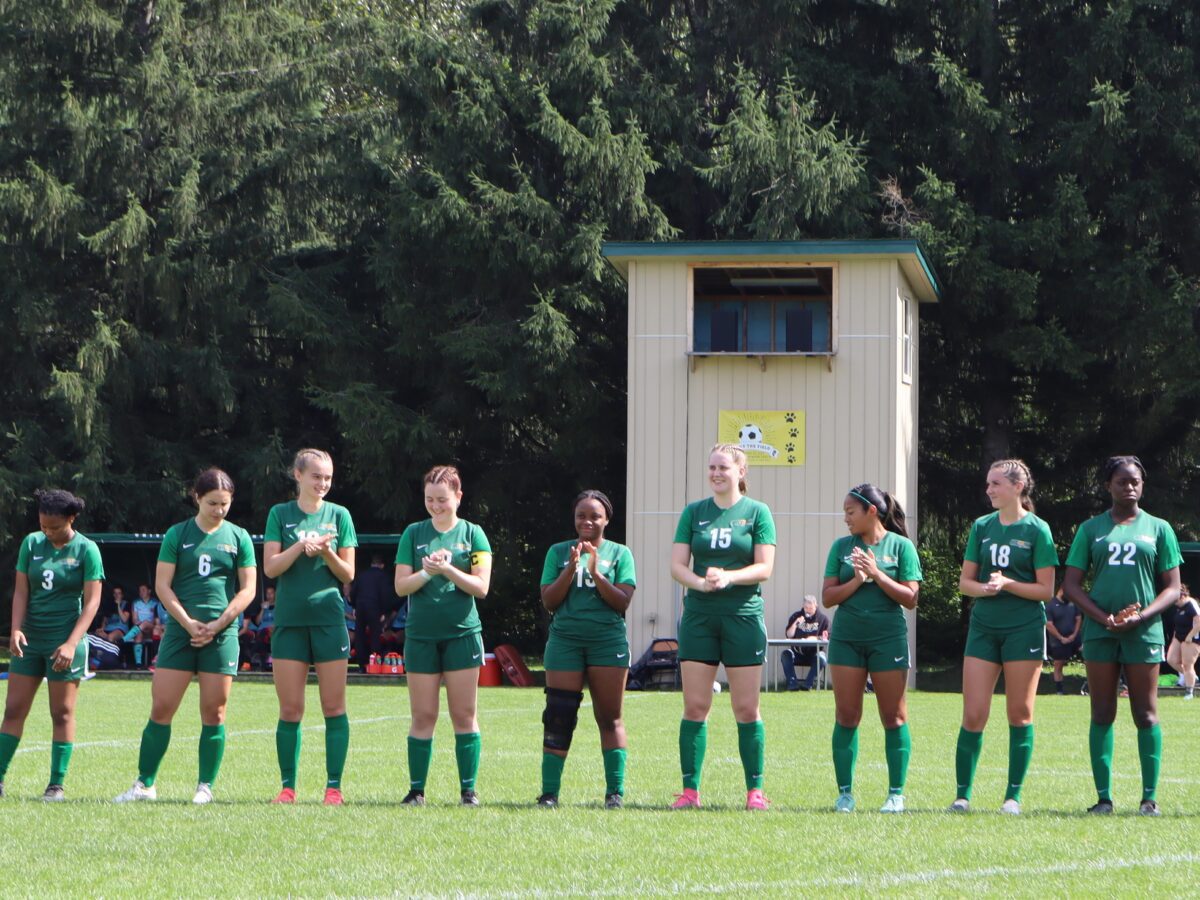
(756, 800)
(689, 799)
(287, 795)
(333, 797)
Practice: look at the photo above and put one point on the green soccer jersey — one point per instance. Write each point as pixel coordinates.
(584, 614)
(1123, 562)
(56, 577)
(725, 539)
(870, 615)
(206, 565)
(1016, 551)
(308, 593)
(439, 611)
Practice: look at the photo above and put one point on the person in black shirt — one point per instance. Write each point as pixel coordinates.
(808, 622)
(1185, 646)
(1063, 622)
(374, 599)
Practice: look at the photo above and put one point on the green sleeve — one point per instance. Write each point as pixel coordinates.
(764, 526)
(624, 571)
(169, 551)
(683, 531)
(479, 541)
(24, 554)
(550, 567)
(404, 550)
(346, 534)
(910, 563)
(273, 531)
(1168, 548)
(1079, 557)
(833, 562)
(1044, 553)
(245, 555)
(93, 565)
(971, 554)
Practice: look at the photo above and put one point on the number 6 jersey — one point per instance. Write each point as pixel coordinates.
(206, 566)
(1123, 562)
(725, 538)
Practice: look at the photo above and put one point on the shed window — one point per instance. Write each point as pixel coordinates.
(907, 348)
(774, 309)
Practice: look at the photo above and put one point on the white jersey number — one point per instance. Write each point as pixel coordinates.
(1115, 550)
(720, 537)
(1000, 555)
(583, 577)
(47, 579)
(205, 566)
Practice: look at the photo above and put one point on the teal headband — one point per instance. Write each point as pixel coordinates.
(862, 498)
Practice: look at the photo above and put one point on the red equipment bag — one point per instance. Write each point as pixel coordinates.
(513, 665)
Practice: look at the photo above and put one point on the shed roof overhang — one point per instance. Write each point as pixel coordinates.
(908, 253)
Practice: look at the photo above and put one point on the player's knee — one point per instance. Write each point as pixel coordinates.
(1145, 718)
(61, 715)
(212, 713)
(560, 718)
(892, 720)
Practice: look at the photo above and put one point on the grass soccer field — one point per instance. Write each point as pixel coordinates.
(241, 845)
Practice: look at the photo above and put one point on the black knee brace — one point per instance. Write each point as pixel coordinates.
(560, 718)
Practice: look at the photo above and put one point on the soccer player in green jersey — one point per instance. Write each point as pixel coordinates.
(443, 565)
(1009, 569)
(308, 546)
(55, 597)
(587, 585)
(1131, 560)
(724, 550)
(872, 576)
(205, 579)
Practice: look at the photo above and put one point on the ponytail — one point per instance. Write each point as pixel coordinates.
(1016, 470)
(887, 507)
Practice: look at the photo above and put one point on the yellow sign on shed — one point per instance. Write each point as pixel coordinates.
(770, 437)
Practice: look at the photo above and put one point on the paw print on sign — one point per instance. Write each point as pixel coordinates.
(790, 448)
(789, 417)
(793, 432)
(791, 458)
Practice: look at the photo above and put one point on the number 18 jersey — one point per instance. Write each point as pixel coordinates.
(1123, 562)
(1016, 551)
(725, 539)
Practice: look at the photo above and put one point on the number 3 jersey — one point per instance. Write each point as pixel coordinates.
(56, 577)
(1016, 551)
(725, 539)
(206, 566)
(584, 614)
(1123, 563)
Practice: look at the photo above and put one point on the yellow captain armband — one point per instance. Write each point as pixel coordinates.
(479, 557)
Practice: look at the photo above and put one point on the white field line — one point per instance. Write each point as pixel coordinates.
(32, 746)
(874, 881)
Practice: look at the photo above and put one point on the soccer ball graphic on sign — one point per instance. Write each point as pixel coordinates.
(750, 434)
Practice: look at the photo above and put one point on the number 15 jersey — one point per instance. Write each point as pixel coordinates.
(725, 539)
(1123, 562)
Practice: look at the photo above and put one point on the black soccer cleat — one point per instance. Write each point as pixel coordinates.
(469, 798)
(1102, 808)
(548, 801)
(613, 801)
(413, 798)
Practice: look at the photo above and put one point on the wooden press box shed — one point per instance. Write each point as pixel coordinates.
(805, 353)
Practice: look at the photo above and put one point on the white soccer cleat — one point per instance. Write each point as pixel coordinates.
(1011, 807)
(893, 804)
(203, 794)
(960, 806)
(138, 792)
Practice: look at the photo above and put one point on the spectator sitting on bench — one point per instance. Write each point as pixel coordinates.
(115, 623)
(808, 622)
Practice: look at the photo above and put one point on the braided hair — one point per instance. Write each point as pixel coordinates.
(1015, 470)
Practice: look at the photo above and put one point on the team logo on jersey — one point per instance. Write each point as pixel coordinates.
(227, 548)
(890, 560)
(1148, 538)
(70, 562)
(1021, 545)
(461, 547)
(328, 526)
